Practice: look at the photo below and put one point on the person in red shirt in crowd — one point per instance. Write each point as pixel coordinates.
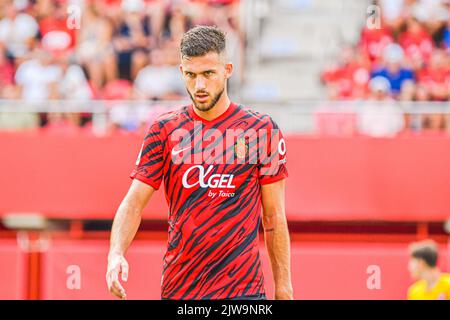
(57, 35)
(374, 41)
(436, 76)
(350, 76)
(6, 69)
(416, 41)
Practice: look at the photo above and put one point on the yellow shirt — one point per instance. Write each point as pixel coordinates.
(441, 291)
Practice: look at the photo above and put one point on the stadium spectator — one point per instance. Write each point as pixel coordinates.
(6, 70)
(38, 77)
(380, 89)
(436, 75)
(407, 91)
(374, 41)
(73, 84)
(159, 80)
(413, 44)
(392, 68)
(131, 39)
(350, 76)
(432, 14)
(380, 120)
(17, 29)
(41, 57)
(56, 36)
(431, 283)
(176, 23)
(415, 40)
(446, 34)
(94, 49)
(393, 13)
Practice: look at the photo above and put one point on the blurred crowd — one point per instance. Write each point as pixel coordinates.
(404, 56)
(83, 50)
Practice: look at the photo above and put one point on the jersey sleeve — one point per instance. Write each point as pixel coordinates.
(272, 154)
(149, 164)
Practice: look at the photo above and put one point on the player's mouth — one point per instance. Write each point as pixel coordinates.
(201, 97)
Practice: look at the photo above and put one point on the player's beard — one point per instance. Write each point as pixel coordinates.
(206, 107)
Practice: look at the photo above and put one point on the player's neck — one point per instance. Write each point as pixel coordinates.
(432, 277)
(221, 107)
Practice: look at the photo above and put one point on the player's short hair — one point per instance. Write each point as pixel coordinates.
(427, 250)
(201, 40)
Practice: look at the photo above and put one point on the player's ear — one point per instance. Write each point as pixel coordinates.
(229, 70)
(181, 69)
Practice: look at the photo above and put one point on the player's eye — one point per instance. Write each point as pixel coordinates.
(190, 74)
(208, 73)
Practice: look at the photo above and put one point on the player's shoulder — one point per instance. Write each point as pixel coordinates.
(415, 289)
(445, 278)
(258, 116)
(170, 117)
(173, 115)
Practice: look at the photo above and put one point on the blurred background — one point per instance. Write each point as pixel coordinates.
(360, 89)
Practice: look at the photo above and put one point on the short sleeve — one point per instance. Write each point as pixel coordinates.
(272, 154)
(149, 164)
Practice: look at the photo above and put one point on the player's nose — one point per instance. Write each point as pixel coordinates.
(200, 83)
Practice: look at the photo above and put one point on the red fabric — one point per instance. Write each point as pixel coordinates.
(439, 76)
(50, 27)
(6, 74)
(350, 79)
(373, 42)
(417, 44)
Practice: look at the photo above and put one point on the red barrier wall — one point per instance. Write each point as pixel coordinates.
(405, 178)
(13, 271)
(319, 270)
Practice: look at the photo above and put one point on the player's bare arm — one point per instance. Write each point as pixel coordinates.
(276, 236)
(125, 225)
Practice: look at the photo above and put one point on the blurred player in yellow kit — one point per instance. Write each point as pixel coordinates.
(431, 283)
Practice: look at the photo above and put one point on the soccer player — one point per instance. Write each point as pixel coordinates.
(431, 283)
(221, 163)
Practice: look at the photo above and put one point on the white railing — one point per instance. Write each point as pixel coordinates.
(291, 116)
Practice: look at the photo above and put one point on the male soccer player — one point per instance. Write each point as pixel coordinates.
(431, 283)
(220, 163)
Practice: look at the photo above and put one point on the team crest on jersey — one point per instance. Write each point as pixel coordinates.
(241, 148)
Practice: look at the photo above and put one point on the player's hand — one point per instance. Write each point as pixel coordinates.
(117, 264)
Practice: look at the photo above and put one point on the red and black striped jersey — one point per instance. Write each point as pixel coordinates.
(212, 173)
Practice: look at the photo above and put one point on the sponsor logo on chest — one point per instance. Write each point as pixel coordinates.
(207, 180)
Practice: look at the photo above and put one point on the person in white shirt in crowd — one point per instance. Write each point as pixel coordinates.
(381, 118)
(73, 84)
(38, 77)
(17, 29)
(159, 80)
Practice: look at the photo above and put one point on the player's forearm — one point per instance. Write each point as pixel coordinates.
(278, 246)
(125, 225)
